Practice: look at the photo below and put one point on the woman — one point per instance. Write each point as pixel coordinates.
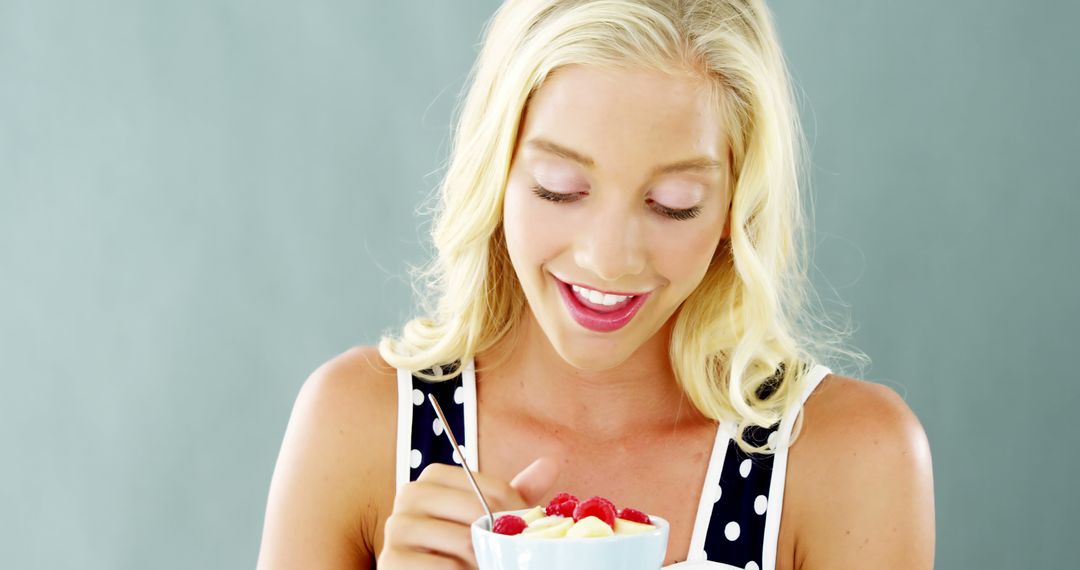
(617, 312)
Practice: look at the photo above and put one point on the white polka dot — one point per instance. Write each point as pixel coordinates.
(744, 468)
(417, 397)
(731, 531)
(457, 456)
(772, 440)
(437, 427)
(760, 504)
(716, 493)
(459, 395)
(751, 565)
(415, 458)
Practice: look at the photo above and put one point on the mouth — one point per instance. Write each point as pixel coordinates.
(598, 316)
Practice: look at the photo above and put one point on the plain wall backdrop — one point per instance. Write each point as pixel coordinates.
(202, 201)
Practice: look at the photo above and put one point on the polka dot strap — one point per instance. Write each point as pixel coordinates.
(424, 439)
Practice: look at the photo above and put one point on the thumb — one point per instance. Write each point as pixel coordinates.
(535, 480)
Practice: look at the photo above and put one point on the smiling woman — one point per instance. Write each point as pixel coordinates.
(629, 146)
(615, 309)
(641, 204)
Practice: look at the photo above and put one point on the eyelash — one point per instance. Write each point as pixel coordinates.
(672, 213)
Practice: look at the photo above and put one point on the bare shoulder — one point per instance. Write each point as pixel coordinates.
(357, 377)
(335, 459)
(861, 481)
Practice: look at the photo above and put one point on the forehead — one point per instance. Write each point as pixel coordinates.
(622, 117)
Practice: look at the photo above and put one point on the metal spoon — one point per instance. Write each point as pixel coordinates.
(457, 448)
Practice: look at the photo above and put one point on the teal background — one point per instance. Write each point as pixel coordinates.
(202, 201)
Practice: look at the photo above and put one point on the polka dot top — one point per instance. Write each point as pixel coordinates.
(738, 515)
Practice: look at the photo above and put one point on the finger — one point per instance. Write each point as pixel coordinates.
(415, 560)
(499, 494)
(536, 479)
(437, 501)
(426, 534)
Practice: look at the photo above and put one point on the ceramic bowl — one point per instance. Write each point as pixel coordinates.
(645, 551)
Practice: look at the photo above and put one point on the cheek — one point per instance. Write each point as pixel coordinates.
(532, 230)
(683, 257)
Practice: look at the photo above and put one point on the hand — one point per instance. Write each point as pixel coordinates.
(428, 528)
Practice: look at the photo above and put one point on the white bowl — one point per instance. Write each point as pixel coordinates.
(645, 551)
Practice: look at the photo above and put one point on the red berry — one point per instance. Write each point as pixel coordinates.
(509, 524)
(634, 515)
(563, 504)
(598, 507)
(565, 508)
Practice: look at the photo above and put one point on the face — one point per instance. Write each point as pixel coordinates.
(618, 183)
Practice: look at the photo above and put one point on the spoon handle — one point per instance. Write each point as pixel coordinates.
(461, 454)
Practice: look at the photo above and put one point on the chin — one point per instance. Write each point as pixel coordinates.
(591, 360)
(587, 350)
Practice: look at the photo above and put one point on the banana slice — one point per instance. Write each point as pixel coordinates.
(589, 527)
(549, 527)
(631, 527)
(536, 513)
(545, 522)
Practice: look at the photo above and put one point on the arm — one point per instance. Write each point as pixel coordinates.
(318, 511)
(872, 493)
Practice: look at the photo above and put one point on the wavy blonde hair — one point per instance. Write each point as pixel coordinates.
(743, 340)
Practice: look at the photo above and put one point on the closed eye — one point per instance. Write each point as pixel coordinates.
(672, 213)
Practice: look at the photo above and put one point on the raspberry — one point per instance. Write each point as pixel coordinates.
(634, 515)
(563, 504)
(598, 507)
(563, 497)
(509, 524)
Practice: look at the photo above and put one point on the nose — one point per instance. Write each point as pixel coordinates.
(611, 245)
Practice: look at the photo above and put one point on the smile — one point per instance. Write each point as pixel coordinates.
(589, 310)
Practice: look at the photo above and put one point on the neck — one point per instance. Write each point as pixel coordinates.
(639, 396)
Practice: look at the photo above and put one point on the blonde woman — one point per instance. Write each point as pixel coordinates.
(615, 308)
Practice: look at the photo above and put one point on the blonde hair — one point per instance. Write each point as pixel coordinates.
(743, 340)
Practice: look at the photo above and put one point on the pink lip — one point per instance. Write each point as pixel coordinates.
(595, 320)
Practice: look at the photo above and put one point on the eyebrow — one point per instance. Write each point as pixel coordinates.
(697, 163)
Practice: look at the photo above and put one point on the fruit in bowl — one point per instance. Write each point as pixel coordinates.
(567, 517)
(590, 534)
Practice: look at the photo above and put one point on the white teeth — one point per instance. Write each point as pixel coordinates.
(612, 299)
(598, 297)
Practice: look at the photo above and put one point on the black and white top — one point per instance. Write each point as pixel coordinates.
(738, 515)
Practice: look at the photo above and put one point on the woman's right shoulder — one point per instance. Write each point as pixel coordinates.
(335, 471)
(356, 379)
(355, 392)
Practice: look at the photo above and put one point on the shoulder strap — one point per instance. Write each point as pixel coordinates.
(407, 398)
(776, 487)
